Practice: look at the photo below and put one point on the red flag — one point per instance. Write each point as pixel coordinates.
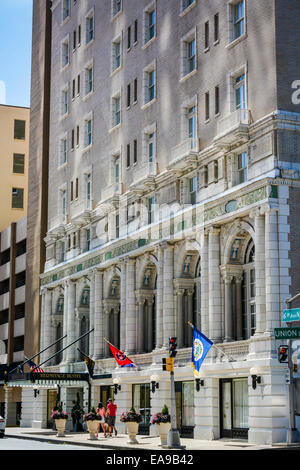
(120, 357)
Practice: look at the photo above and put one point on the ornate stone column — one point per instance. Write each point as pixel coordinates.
(106, 317)
(71, 320)
(238, 293)
(92, 312)
(98, 316)
(116, 326)
(130, 308)
(260, 272)
(179, 321)
(204, 284)
(140, 325)
(272, 272)
(190, 308)
(123, 306)
(149, 324)
(159, 298)
(168, 295)
(215, 306)
(228, 307)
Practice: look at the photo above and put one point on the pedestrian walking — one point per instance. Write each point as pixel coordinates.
(101, 411)
(111, 418)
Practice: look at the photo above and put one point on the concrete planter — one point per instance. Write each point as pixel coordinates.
(93, 428)
(132, 430)
(163, 429)
(60, 426)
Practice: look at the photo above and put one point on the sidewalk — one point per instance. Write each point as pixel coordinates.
(121, 441)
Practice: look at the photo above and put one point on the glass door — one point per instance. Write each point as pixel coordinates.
(184, 395)
(141, 404)
(234, 408)
(51, 401)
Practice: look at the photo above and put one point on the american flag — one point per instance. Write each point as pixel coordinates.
(32, 365)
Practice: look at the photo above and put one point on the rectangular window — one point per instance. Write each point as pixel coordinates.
(71, 191)
(72, 139)
(186, 4)
(5, 257)
(63, 151)
(21, 248)
(73, 88)
(78, 85)
(207, 106)
(116, 7)
(134, 151)
(151, 147)
(17, 198)
(135, 90)
(79, 35)
(240, 92)
(135, 31)
(191, 59)
(89, 80)
(151, 86)
(151, 207)
(216, 27)
(65, 102)
(188, 54)
(117, 169)
(65, 53)
(129, 37)
(128, 95)
(19, 129)
(242, 167)
(89, 29)
(64, 203)
(151, 25)
(217, 100)
(193, 189)
(116, 54)
(19, 163)
(206, 42)
(66, 9)
(77, 135)
(192, 126)
(128, 155)
(74, 39)
(76, 188)
(238, 19)
(88, 187)
(89, 132)
(116, 110)
(117, 225)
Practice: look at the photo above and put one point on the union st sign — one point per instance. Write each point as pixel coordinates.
(287, 333)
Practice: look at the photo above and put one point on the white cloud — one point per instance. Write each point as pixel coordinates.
(2, 92)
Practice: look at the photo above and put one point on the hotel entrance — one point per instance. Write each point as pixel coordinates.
(184, 393)
(234, 408)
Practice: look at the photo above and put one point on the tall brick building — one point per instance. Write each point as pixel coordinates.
(173, 193)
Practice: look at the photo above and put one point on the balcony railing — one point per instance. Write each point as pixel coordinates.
(184, 153)
(236, 122)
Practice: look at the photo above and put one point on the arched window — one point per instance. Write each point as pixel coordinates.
(248, 293)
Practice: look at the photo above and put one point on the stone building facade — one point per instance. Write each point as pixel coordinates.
(173, 194)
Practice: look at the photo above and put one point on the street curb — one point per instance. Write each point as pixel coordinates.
(82, 444)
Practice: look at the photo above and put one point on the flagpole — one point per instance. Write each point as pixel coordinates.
(214, 345)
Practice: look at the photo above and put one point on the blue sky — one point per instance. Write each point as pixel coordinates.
(15, 51)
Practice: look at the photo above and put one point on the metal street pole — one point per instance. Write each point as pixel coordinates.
(173, 435)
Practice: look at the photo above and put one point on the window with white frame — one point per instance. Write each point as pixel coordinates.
(88, 137)
(149, 82)
(116, 110)
(65, 102)
(249, 293)
(63, 202)
(89, 79)
(238, 19)
(88, 185)
(192, 125)
(151, 209)
(239, 85)
(117, 222)
(151, 139)
(90, 25)
(63, 150)
(65, 9)
(193, 189)
(149, 23)
(116, 7)
(242, 167)
(65, 53)
(186, 3)
(117, 169)
(188, 54)
(116, 54)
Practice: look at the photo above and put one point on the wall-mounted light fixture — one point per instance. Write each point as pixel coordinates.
(256, 379)
(36, 392)
(117, 386)
(154, 383)
(199, 383)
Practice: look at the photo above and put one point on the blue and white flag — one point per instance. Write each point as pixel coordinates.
(201, 346)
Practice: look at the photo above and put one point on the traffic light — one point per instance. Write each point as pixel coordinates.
(172, 347)
(283, 353)
(168, 364)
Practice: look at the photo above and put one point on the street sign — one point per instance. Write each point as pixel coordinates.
(291, 314)
(287, 333)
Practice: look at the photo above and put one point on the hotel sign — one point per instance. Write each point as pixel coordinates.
(34, 376)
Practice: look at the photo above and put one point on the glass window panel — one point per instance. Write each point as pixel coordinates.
(240, 403)
(19, 129)
(18, 163)
(188, 403)
(226, 395)
(17, 198)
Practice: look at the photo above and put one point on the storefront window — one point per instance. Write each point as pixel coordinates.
(141, 404)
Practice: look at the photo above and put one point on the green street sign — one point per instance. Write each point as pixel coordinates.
(287, 333)
(291, 314)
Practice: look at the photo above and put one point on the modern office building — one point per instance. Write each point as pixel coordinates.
(12, 314)
(173, 193)
(14, 146)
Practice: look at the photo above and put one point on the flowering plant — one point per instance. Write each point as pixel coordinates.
(131, 416)
(162, 417)
(92, 415)
(59, 414)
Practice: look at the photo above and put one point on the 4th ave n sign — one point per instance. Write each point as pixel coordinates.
(287, 333)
